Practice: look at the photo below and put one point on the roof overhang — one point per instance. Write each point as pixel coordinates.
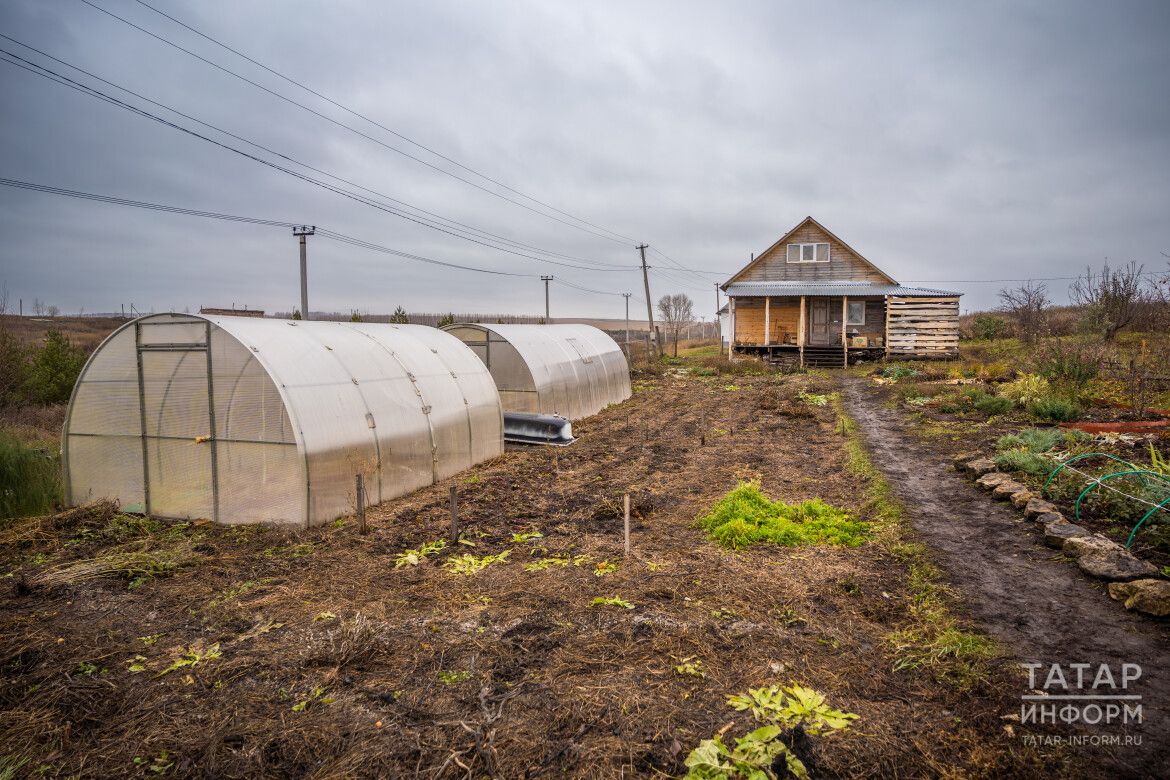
(781, 289)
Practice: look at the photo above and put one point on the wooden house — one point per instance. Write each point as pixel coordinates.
(811, 299)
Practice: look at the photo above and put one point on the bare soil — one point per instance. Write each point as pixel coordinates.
(1038, 604)
(335, 663)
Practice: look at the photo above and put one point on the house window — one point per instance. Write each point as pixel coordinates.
(808, 253)
(856, 313)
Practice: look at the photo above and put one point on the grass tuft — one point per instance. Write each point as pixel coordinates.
(745, 516)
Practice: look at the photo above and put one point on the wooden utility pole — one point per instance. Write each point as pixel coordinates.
(649, 304)
(718, 319)
(303, 232)
(546, 280)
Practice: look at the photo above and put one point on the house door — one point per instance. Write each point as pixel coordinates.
(820, 327)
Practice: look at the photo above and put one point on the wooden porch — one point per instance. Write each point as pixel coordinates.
(815, 331)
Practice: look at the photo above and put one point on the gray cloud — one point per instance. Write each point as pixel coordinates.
(980, 141)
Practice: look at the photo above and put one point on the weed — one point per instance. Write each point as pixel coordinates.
(453, 677)
(1023, 460)
(745, 516)
(898, 371)
(992, 405)
(474, 479)
(526, 536)
(322, 616)
(149, 640)
(317, 696)
(158, 765)
(414, 557)
(603, 568)
(86, 668)
(469, 564)
(138, 566)
(731, 388)
(136, 664)
(1025, 390)
(30, 481)
(235, 591)
(613, 601)
(194, 656)
(691, 666)
(813, 399)
(1030, 439)
(952, 652)
(724, 613)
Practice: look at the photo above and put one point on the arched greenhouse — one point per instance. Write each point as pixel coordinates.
(255, 420)
(571, 370)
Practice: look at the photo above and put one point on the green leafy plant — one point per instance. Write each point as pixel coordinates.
(813, 399)
(158, 765)
(526, 536)
(992, 405)
(453, 677)
(755, 755)
(469, 564)
(323, 616)
(556, 560)
(613, 601)
(414, 557)
(745, 516)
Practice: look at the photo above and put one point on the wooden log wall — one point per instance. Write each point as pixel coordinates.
(923, 327)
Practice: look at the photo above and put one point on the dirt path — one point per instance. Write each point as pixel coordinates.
(1042, 608)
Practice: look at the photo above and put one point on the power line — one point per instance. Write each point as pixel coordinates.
(492, 236)
(350, 128)
(331, 234)
(96, 93)
(393, 132)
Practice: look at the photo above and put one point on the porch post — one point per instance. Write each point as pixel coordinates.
(844, 328)
(731, 328)
(767, 320)
(887, 318)
(800, 332)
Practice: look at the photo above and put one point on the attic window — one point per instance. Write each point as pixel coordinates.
(808, 253)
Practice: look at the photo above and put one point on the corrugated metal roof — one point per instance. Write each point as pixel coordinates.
(745, 289)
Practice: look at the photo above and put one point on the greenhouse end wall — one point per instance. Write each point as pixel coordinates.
(571, 370)
(249, 420)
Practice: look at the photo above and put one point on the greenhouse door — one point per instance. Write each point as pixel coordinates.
(178, 421)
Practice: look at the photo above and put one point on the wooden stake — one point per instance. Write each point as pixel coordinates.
(359, 489)
(454, 514)
(627, 523)
(703, 428)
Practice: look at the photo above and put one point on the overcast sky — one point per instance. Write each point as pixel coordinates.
(944, 141)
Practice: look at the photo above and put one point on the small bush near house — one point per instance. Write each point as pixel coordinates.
(745, 516)
(1069, 361)
(1054, 409)
(1025, 461)
(991, 404)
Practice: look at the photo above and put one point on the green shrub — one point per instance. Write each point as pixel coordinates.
(30, 479)
(1031, 439)
(1025, 389)
(989, 327)
(993, 404)
(1070, 361)
(1025, 461)
(745, 516)
(54, 370)
(898, 371)
(1054, 409)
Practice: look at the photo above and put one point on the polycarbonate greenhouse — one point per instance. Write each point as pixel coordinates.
(254, 420)
(571, 370)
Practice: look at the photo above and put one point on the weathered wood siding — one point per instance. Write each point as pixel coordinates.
(924, 327)
(844, 264)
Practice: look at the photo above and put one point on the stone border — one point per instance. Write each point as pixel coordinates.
(1131, 580)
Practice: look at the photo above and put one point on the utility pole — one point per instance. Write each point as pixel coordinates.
(546, 280)
(627, 297)
(649, 305)
(303, 232)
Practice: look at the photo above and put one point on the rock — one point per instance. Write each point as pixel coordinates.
(1116, 565)
(960, 462)
(991, 479)
(1056, 533)
(1150, 597)
(1091, 543)
(1049, 517)
(1038, 506)
(1006, 489)
(1021, 498)
(980, 466)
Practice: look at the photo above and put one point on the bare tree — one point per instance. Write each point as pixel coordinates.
(676, 312)
(1115, 295)
(1027, 305)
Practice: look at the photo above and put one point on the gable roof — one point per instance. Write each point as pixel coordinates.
(784, 239)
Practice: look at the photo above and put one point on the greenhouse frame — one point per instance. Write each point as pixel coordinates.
(570, 370)
(258, 420)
